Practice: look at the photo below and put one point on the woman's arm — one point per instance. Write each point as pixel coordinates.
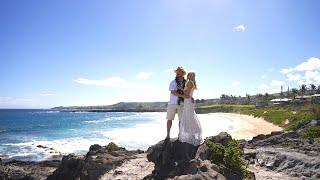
(188, 89)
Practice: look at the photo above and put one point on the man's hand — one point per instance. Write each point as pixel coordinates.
(175, 93)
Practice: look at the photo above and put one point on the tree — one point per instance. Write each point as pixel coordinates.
(223, 96)
(303, 89)
(294, 92)
(318, 90)
(313, 88)
(248, 98)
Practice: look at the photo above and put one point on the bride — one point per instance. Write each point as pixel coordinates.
(190, 130)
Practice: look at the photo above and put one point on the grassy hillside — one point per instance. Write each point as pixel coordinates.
(288, 117)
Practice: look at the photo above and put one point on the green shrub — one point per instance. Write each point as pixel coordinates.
(228, 158)
(112, 147)
(313, 132)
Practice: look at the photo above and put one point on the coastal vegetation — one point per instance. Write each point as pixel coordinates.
(112, 147)
(287, 117)
(228, 157)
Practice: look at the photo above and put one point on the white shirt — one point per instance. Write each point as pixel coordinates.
(173, 98)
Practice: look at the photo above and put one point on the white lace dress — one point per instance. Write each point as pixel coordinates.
(190, 130)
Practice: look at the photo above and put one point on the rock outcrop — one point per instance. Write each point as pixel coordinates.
(287, 152)
(98, 161)
(176, 160)
(27, 170)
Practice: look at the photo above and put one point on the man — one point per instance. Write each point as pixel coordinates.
(175, 105)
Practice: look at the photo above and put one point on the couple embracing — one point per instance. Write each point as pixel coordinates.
(182, 103)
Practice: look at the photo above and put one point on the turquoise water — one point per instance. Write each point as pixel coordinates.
(21, 131)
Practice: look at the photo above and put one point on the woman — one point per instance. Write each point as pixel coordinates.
(190, 130)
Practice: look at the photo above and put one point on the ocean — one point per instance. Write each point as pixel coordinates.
(35, 135)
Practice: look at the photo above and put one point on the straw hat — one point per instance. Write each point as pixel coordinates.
(181, 69)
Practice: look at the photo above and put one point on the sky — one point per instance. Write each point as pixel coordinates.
(99, 52)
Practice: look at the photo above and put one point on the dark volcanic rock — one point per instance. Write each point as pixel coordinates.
(69, 168)
(96, 163)
(222, 138)
(27, 170)
(176, 160)
(287, 152)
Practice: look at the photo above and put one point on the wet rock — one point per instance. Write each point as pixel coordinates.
(41, 146)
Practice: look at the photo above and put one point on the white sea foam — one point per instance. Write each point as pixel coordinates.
(144, 135)
(139, 136)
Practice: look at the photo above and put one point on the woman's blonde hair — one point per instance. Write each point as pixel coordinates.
(192, 76)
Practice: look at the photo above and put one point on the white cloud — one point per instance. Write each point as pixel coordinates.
(276, 83)
(273, 86)
(286, 70)
(310, 65)
(294, 77)
(144, 75)
(17, 102)
(264, 87)
(305, 73)
(109, 82)
(239, 28)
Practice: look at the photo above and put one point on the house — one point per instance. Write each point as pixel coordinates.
(280, 101)
(315, 98)
(302, 99)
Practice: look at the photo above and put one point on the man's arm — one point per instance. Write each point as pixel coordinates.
(175, 93)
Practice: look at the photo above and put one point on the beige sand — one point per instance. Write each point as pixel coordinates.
(246, 127)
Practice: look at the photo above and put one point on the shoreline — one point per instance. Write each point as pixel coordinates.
(238, 125)
(248, 126)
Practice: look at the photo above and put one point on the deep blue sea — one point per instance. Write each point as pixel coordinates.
(21, 131)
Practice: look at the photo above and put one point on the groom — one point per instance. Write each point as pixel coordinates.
(175, 105)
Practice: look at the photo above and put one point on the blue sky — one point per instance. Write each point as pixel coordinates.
(102, 52)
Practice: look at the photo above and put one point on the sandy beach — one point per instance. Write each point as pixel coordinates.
(246, 127)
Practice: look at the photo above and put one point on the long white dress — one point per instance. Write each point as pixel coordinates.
(190, 130)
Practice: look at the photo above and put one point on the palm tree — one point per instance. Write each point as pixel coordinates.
(313, 88)
(248, 98)
(303, 89)
(294, 91)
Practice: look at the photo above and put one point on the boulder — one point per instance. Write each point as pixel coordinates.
(69, 168)
(96, 163)
(176, 160)
(222, 138)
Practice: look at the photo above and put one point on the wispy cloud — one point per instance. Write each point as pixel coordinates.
(273, 86)
(108, 82)
(239, 28)
(111, 82)
(305, 73)
(276, 83)
(144, 75)
(17, 102)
